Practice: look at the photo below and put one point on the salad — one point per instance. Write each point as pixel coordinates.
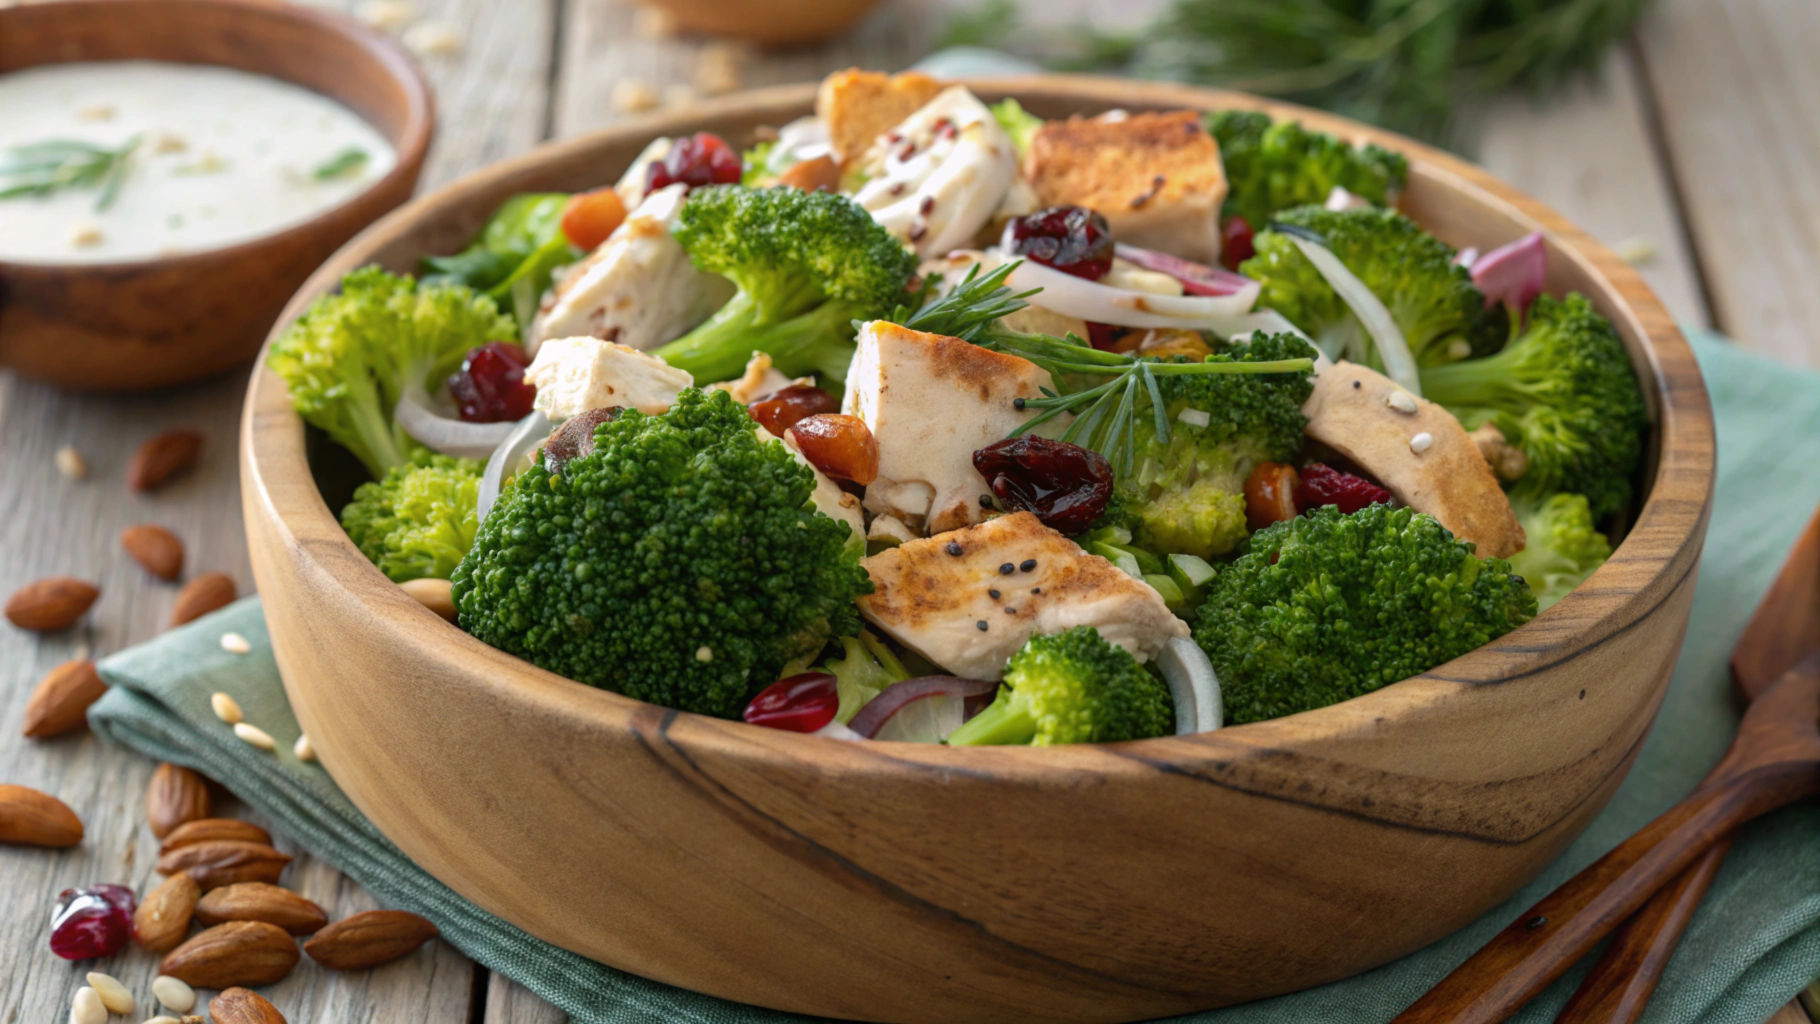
(930, 420)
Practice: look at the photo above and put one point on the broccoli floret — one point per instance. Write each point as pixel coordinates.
(866, 668)
(1273, 167)
(807, 265)
(1187, 494)
(1442, 315)
(1565, 393)
(1072, 688)
(1563, 548)
(1328, 606)
(420, 519)
(1020, 124)
(681, 562)
(350, 355)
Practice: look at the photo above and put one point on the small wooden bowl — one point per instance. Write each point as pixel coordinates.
(151, 323)
(766, 22)
(899, 882)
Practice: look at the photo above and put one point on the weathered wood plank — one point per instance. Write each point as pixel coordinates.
(509, 1003)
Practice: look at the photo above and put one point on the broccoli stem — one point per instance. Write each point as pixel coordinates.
(1005, 722)
(818, 341)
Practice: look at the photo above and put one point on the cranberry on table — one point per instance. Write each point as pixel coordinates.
(840, 446)
(1270, 495)
(490, 387)
(1235, 242)
(695, 160)
(1064, 485)
(799, 703)
(783, 409)
(1072, 239)
(91, 922)
(1323, 485)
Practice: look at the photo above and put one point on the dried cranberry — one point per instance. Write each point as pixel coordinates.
(1235, 242)
(800, 703)
(92, 922)
(782, 410)
(1102, 336)
(695, 160)
(491, 385)
(1072, 239)
(1323, 485)
(1065, 485)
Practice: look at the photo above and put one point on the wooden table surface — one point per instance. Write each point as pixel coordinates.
(1695, 148)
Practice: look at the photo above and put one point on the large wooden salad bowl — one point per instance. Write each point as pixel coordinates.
(901, 882)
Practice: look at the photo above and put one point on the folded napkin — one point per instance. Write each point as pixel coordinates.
(1752, 946)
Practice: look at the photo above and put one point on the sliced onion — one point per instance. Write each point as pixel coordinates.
(836, 731)
(1513, 274)
(1399, 363)
(1467, 257)
(1196, 278)
(526, 435)
(897, 696)
(1193, 685)
(417, 416)
(1089, 300)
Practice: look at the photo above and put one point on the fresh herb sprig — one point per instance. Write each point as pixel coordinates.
(46, 168)
(344, 164)
(1105, 391)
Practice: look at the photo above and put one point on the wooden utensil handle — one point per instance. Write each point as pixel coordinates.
(1622, 981)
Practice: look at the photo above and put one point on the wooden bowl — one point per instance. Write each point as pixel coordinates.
(150, 323)
(899, 882)
(766, 22)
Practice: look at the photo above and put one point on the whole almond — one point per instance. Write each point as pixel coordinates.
(175, 796)
(50, 604)
(161, 458)
(208, 592)
(192, 832)
(258, 901)
(31, 818)
(239, 1006)
(368, 939)
(60, 702)
(155, 548)
(236, 953)
(220, 862)
(163, 917)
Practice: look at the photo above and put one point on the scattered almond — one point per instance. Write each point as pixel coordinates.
(718, 68)
(226, 708)
(369, 939)
(433, 39)
(87, 1007)
(239, 1006)
(208, 592)
(31, 818)
(60, 702)
(50, 604)
(258, 901)
(218, 862)
(175, 796)
(163, 918)
(236, 953)
(71, 463)
(208, 829)
(632, 95)
(255, 736)
(173, 994)
(161, 458)
(303, 748)
(234, 643)
(113, 995)
(155, 548)
(432, 594)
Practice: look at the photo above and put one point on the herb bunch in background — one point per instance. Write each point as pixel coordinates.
(1402, 64)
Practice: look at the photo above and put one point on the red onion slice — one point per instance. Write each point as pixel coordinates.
(1513, 274)
(1196, 278)
(893, 698)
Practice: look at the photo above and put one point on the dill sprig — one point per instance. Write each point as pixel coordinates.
(344, 164)
(46, 168)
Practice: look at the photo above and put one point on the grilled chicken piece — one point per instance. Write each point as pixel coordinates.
(1368, 418)
(1157, 178)
(573, 375)
(859, 106)
(937, 177)
(932, 401)
(967, 600)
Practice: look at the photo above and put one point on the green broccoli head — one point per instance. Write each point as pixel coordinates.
(807, 265)
(1565, 393)
(1563, 548)
(1186, 495)
(1273, 167)
(1442, 315)
(1073, 687)
(350, 355)
(681, 562)
(419, 520)
(1328, 606)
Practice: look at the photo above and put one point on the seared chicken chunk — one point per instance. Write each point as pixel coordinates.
(859, 106)
(967, 600)
(573, 375)
(1417, 450)
(937, 177)
(931, 401)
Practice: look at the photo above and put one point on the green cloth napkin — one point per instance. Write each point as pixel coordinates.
(1753, 945)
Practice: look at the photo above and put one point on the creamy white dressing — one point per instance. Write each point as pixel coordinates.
(223, 157)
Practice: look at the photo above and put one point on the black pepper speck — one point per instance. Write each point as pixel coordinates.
(1356, 384)
(954, 549)
(993, 593)
(1017, 403)
(1036, 590)
(1006, 569)
(1010, 610)
(981, 624)
(985, 501)
(1029, 565)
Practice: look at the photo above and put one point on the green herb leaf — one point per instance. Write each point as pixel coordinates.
(46, 168)
(344, 164)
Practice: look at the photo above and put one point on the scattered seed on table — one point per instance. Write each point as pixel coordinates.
(254, 735)
(173, 994)
(226, 708)
(87, 1007)
(71, 463)
(234, 643)
(631, 95)
(386, 15)
(113, 995)
(303, 748)
(433, 39)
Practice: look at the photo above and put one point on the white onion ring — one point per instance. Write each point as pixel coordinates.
(1089, 300)
(526, 435)
(1399, 362)
(418, 417)
(1193, 685)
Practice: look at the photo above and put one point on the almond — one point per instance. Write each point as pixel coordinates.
(208, 592)
(50, 604)
(240, 1006)
(163, 917)
(60, 702)
(31, 818)
(175, 796)
(192, 832)
(258, 901)
(369, 939)
(155, 548)
(220, 862)
(236, 953)
(161, 458)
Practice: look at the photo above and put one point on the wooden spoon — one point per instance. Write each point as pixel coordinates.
(1785, 625)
